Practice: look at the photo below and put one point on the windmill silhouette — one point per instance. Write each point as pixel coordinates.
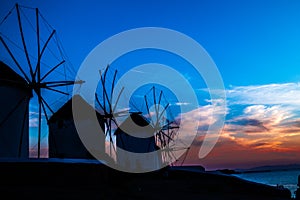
(108, 105)
(159, 114)
(40, 60)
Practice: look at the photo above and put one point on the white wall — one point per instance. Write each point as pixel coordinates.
(141, 161)
(11, 131)
(65, 142)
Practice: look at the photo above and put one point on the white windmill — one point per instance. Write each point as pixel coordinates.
(32, 49)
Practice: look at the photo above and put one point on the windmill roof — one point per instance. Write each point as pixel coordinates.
(65, 112)
(11, 78)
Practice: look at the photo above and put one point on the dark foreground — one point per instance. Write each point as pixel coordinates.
(57, 179)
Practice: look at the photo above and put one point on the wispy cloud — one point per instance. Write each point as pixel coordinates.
(182, 103)
(197, 121)
(33, 122)
(287, 93)
(138, 71)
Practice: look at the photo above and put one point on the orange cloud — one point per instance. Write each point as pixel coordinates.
(261, 135)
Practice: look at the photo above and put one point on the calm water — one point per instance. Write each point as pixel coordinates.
(288, 179)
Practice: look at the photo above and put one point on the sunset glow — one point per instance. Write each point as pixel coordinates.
(256, 53)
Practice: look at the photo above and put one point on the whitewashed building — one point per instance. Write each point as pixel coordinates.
(14, 114)
(64, 141)
(136, 135)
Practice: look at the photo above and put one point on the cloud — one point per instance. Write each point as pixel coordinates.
(197, 122)
(33, 152)
(274, 115)
(270, 94)
(182, 103)
(269, 116)
(263, 120)
(203, 115)
(138, 71)
(230, 154)
(33, 122)
(250, 122)
(264, 127)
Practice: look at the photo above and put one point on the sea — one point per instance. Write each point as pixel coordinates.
(286, 178)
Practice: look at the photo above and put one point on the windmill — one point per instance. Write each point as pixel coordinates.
(108, 105)
(165, 126)
(37, 55)
(158, 113)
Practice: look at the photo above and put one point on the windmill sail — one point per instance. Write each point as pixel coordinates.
(32, 48)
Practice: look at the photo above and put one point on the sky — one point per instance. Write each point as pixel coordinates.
(254, 44)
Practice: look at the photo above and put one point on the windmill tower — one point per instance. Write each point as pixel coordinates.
(119, 132)
(155, 129)
(36, 55)
(14, 115)
(136, 135)
(166, 128)
(64, 140)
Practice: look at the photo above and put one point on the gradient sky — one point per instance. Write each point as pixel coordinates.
(255, 45)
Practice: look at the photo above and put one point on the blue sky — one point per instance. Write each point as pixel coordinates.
(252, 42)
(255, 45)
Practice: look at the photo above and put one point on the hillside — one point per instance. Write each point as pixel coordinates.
(70, 180)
